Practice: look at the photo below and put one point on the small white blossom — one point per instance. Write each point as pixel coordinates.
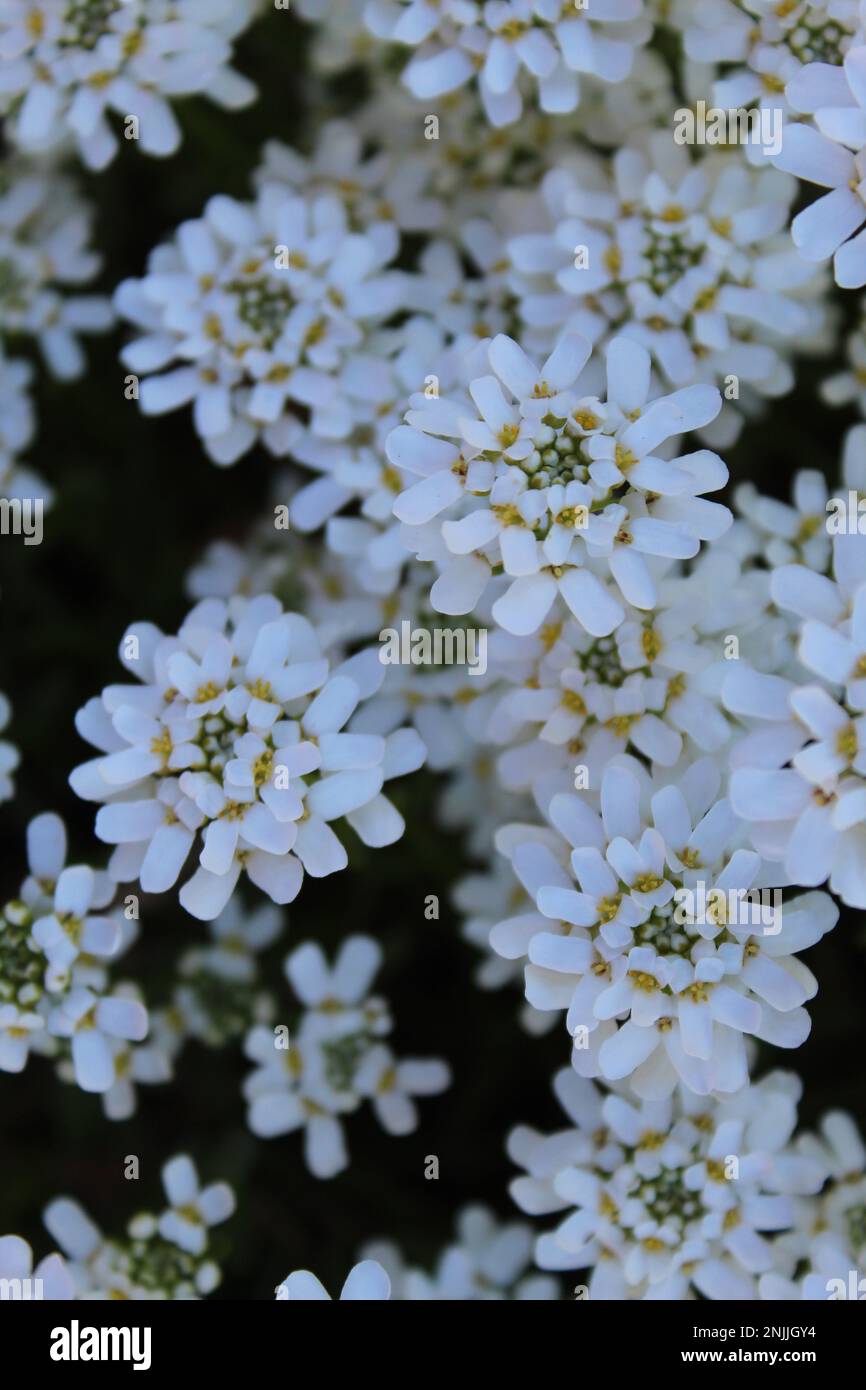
(333, 1059)
(45, 254)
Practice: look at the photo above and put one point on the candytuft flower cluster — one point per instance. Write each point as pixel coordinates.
(492, 351)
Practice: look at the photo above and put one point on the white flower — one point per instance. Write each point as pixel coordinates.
(506, 40)
(667, 1198)
(237, 741)
(390, 1086)
(44, 236)
(367, 1282)
(790, 531)
(66, 69)
(93, 1023)
(72, 928)
(333, 1059)
(660, 984)
(830, 153)
(560, 490)
(144, 1065)
(193, 1210)
(258, 309)
(799, 777)
(17, 1028)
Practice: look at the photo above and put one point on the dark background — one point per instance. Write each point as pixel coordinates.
(136, 503)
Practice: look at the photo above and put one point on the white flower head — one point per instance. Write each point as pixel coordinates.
(644, 932)
(514, 46)
(193, 1209)
(71, 71)
(254, 312)
(334, 1059)
(683, 250)
(236, 743)
(799, 776)
(662, 1199)
(566, 494)
(45, 253)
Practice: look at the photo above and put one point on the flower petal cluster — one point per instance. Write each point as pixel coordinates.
(159, 1257)
(666, 1199)
(69, 69)
(531, 474)
(257, 313)
(334, 1059)
(237, 743)
(512, 46)
(642, 928)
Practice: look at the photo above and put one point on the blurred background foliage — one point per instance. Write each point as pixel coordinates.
(137, 502)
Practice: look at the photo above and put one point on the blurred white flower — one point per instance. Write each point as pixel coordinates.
(333, 1059)
(68, 68)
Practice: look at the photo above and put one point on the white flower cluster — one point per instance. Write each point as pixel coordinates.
(44, 257)
(687, 255)
(70, 65)
(263, 312)
(655, 989)
(238, 741)
(160, 1257)
(540, 480)
(511, 46)
(673, 1199)
(309, 1075)
(498, 345)
(58, 941)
